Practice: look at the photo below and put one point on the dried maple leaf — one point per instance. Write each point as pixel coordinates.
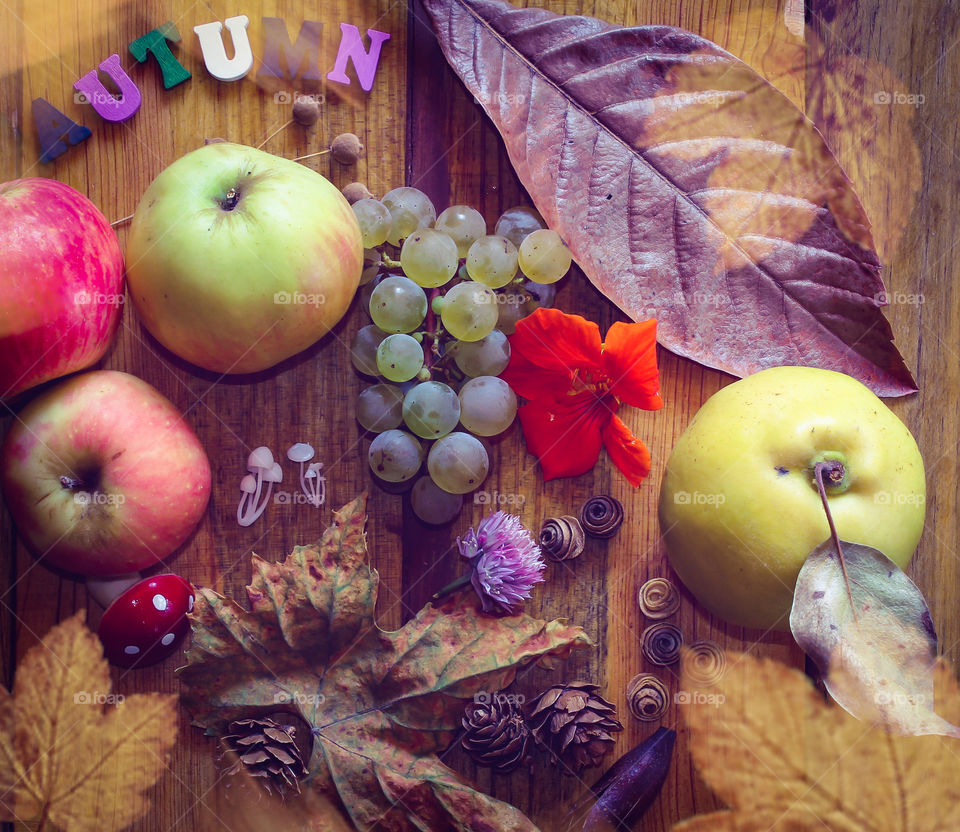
(382, 705)
(784, 760)
(67, 760)
(688, 188)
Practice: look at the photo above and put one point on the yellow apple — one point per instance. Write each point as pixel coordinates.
(739, 506)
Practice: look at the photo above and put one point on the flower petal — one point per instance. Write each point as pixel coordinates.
(531, 381)
(564, 436)
(555, 340)
(627, 452)
(630, 361)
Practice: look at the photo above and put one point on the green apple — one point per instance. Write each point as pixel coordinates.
(238, 259)
(739, 506)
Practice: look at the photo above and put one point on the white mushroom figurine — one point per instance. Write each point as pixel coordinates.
(312, 483)
(262, 470)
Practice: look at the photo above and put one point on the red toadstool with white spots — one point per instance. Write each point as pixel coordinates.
(146, 623)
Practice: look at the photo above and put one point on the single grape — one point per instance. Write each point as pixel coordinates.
(431, 409)
(398, 305)
(492, 261)
(367, 290)
(399, 357)
(363, 349)
(464, 224)
(487, 405)
(429, 257)
(544, 257)
(371, 265)
(395, 456)
(380, 407)
(458, 462)
(437, 304)
(470, 311)
(373, 217)
(508, 315)
(410, 209)
(540, 295)
(487, 357)
(516, 223)
(432, 504)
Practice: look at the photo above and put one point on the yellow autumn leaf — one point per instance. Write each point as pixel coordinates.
(786, 761)
(72, 755)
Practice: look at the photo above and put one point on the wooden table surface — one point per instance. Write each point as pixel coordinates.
(421, 128)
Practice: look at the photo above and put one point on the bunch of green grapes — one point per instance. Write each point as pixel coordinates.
(437, 342)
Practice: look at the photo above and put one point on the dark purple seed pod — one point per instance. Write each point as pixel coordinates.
(631, 785)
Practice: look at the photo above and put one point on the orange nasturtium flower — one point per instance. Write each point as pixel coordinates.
(574, 385)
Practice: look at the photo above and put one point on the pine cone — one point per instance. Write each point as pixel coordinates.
(272, 749)
(496, 734)
(573, 723)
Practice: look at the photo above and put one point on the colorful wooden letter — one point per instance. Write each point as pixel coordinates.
(55, 130)
(215, 54)
(351, 47)
(155, 43)
(107, 105)
(276, 41)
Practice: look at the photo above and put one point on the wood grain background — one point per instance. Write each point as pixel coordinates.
(421, 128)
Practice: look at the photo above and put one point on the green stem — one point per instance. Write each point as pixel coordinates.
(835, 472)
(459, 583)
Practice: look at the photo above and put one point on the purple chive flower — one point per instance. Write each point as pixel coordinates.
(506, 562)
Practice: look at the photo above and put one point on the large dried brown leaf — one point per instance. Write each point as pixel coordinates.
(67, 760)
(687, 187)
(382, 705)
(784, 760)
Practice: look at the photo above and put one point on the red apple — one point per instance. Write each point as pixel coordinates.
(61, 283)
(103, 475)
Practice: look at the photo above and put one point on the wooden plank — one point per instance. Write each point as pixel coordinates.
(456, 155)
(420, 127)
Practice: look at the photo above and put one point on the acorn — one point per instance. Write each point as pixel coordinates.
(346, 148)
(306, 110)
(356, 191)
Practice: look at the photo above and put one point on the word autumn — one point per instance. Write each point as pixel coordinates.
(57, 132)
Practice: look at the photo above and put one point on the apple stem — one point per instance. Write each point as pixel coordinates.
(121, 221)
(230, 200)
(835, 472)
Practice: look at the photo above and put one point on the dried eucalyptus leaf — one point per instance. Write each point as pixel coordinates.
(687, 187)
(878, 655)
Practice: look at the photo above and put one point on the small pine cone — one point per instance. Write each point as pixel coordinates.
(271, 750)
(574, 724)
(496, 735)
